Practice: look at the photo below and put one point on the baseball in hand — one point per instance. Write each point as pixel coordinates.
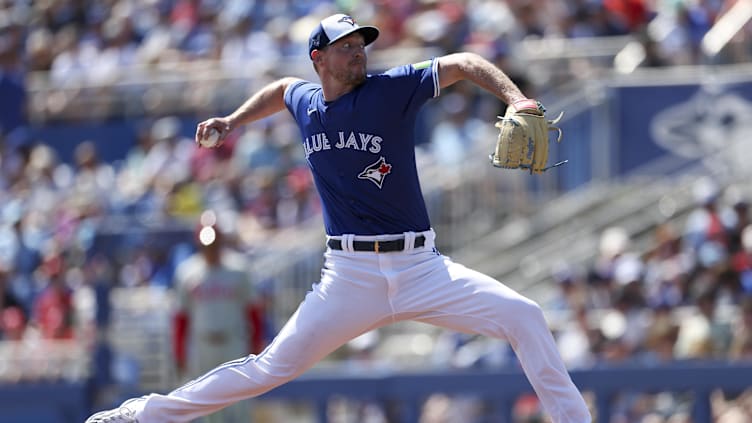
(210, 139)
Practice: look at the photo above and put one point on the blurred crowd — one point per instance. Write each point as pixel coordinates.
(687, 295)
(643, 294)
(55, 216)
(78, 39)
(118, 43)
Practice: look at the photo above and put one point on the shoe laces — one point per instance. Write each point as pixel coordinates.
(128, 413)
(123, 414)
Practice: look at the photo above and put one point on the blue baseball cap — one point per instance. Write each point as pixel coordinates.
(335, 27)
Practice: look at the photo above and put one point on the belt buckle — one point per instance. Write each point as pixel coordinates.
(376, 246)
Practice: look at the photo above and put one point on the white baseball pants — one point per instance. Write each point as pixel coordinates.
(361, 291)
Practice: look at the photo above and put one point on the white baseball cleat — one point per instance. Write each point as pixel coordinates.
(126, 413)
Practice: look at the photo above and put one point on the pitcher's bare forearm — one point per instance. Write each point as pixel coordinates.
(265, 102)
(268, 100)
(481, 72)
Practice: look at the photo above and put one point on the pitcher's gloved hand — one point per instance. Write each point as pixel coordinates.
(523, 137)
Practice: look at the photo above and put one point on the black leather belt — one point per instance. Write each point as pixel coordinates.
(378, 246)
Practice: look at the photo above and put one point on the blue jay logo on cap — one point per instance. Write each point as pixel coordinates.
(347, 19)
(336, 27)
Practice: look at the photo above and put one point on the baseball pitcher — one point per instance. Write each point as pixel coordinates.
(381, 265)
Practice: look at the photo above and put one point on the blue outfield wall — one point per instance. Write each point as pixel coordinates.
(51, 402)
(631, 126)
(501, 388)
(687, 120)
(64, 403)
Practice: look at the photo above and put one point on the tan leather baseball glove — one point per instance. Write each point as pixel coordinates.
(523, 137)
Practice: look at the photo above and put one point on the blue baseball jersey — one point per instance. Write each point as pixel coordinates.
(361, 149)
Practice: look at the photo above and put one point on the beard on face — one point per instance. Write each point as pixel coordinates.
(354, 74)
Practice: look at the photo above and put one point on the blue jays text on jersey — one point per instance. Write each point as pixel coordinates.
(361, 149)
(359, 141)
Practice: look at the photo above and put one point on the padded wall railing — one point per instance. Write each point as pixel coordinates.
(64, 403)
(502, 388)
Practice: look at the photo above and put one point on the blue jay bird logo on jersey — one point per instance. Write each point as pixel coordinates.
(376, 172)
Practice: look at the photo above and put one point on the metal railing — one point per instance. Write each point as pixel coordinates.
(43, 360)
(210, 85)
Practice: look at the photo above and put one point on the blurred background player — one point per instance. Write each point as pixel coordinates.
(215, 319)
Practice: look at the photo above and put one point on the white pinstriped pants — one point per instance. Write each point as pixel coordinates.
(361, 291)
